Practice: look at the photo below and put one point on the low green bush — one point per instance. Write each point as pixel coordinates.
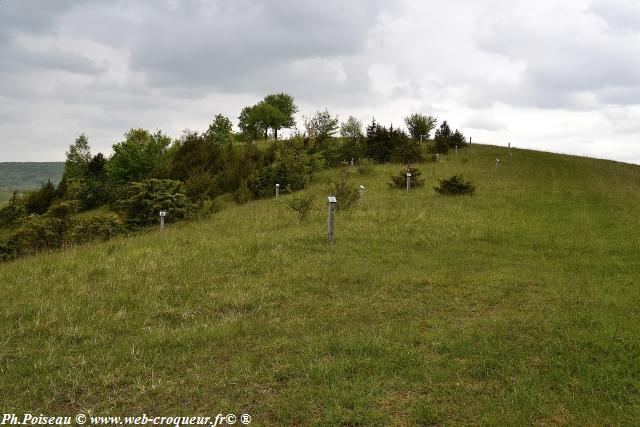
(302, 205)
(400, 179)
(455, 186)
(35, 233)
(102, 226)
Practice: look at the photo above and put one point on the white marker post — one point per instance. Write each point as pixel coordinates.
(408, 181)
(438, 158)
(277, 190)
(456, 150)
(162, 215)
(469, 140)
(361, 194)
(497, 164)
(330, 221)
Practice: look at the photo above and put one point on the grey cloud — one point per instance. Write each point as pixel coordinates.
(620, 15)
(485, 121)
(15, 58)
(233, 45)
(565, 59)
(31, 16)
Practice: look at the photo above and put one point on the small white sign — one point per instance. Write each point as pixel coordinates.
(362, 187)
(163, 213)
(408, 174)
(332, 199)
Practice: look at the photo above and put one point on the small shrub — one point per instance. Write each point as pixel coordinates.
(400, 180)
(344, 191)
(455, 186)
(64, 210)
(302, 205)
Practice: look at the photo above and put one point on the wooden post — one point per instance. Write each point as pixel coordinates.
(162, 215)
(408, 181)
(331, 220)
(469, 140)
(277, 190)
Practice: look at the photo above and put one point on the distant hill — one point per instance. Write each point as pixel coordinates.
(28, 175)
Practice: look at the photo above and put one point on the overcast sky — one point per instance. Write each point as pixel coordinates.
(555, 75)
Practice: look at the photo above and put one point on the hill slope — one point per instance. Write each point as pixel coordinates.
(29, 175)
(516, 306)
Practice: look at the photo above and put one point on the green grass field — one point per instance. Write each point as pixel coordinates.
(517, 306)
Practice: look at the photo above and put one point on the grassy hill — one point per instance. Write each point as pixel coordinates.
(517, 306)
(28, 175)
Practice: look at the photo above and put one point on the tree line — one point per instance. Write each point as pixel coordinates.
(149, 171)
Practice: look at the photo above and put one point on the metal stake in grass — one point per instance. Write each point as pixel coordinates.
(408, 181)
(331, 220)
(277, 190)
(361, 194)
(497, 164)
(162, 215)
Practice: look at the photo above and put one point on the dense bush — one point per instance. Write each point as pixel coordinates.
(37, 233)
(37, 202)
(445, 139)
(10, 214)
(407, 150)
(143, 201)
(454, 186)
(289, 168)
(400, 179)
(201, 186)
(102, 226)
(34, 234)
(64, 210)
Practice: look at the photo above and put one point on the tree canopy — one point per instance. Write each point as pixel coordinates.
(420, 125)
(78, 158)
(136, 157)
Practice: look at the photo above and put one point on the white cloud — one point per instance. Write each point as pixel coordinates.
(553, 75)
